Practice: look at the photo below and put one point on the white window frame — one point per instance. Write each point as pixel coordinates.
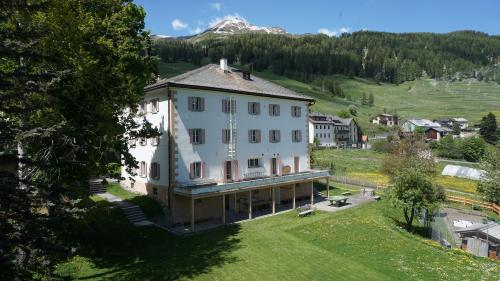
(142, 169)
(253, 136)
(197, 166)
(143, 141)
(196, 104)
(296, 136)
(196, 136)
(275, 136)
(254, 163)
(275, 109)
(254, 108)
(296, 111)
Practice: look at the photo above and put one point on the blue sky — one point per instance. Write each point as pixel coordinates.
(184, 17)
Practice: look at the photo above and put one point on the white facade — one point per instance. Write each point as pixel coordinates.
(150, 153)
(213, 153)
(332, 131)
(323, 132)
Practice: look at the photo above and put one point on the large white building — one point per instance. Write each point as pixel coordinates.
(228, 139)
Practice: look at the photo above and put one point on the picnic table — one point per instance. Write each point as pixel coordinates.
(338, 200)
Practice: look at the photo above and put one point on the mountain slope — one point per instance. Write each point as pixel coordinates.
(425, 98)
(237, 25)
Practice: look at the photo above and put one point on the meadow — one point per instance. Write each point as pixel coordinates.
(355, 244)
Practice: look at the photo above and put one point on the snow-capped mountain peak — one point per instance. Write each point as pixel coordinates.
(238, 25)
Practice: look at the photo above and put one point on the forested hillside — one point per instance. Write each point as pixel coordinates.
(385, 57)
(423, 98)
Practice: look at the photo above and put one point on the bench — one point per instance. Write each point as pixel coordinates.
(305, 212)
(347, 193)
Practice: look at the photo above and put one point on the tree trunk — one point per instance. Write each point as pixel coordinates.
(409, 217)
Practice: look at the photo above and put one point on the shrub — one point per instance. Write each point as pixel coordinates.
(383, 146)
(473, 148)
(353, 109)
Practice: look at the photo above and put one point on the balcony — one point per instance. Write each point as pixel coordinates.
(209, 186)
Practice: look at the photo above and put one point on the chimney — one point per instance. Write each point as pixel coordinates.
(223, 65)
(246, 75)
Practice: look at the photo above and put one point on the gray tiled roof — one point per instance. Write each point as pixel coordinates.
(332, 119)
(212, 77)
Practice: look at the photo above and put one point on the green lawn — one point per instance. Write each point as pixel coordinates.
(355, 244)
(366, 165)
(149, 206)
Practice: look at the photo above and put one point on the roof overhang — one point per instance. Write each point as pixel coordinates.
(199, 87)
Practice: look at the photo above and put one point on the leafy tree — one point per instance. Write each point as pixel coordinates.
(344, 114)
(489, 185)
(456, 129)
(411, 170)
(364, 99)
(353, 110)
(68, 70)
(488, 128)
(371, 99)
(448, 147)
(473, 148)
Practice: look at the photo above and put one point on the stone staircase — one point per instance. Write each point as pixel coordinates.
(96, 187)
(134, 214)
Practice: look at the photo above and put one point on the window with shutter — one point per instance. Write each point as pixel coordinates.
(155, 171)
(195, 170)
(274, 136)
(296, 111)
(296, 135)
(274, 109)
(197, 136)
(155, 106)
(225, 105)
(253, 108)
(142, 169)
(196, 104)
(254, 136)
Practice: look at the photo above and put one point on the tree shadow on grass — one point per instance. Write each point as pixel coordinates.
(120, 251)
(417, 229)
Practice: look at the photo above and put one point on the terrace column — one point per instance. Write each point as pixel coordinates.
(223, 208)
(327, 187)
(273, 196)
(312, 192)
(192, 214)
(249, 204)
(293, 195)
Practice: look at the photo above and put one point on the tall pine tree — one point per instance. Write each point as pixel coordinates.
(488, 128)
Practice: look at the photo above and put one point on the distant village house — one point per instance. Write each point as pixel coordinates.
(386, 120)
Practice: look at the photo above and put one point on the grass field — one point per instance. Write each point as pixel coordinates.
(425, 98)
(149, 206)
(366, 165)
(355, 244)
